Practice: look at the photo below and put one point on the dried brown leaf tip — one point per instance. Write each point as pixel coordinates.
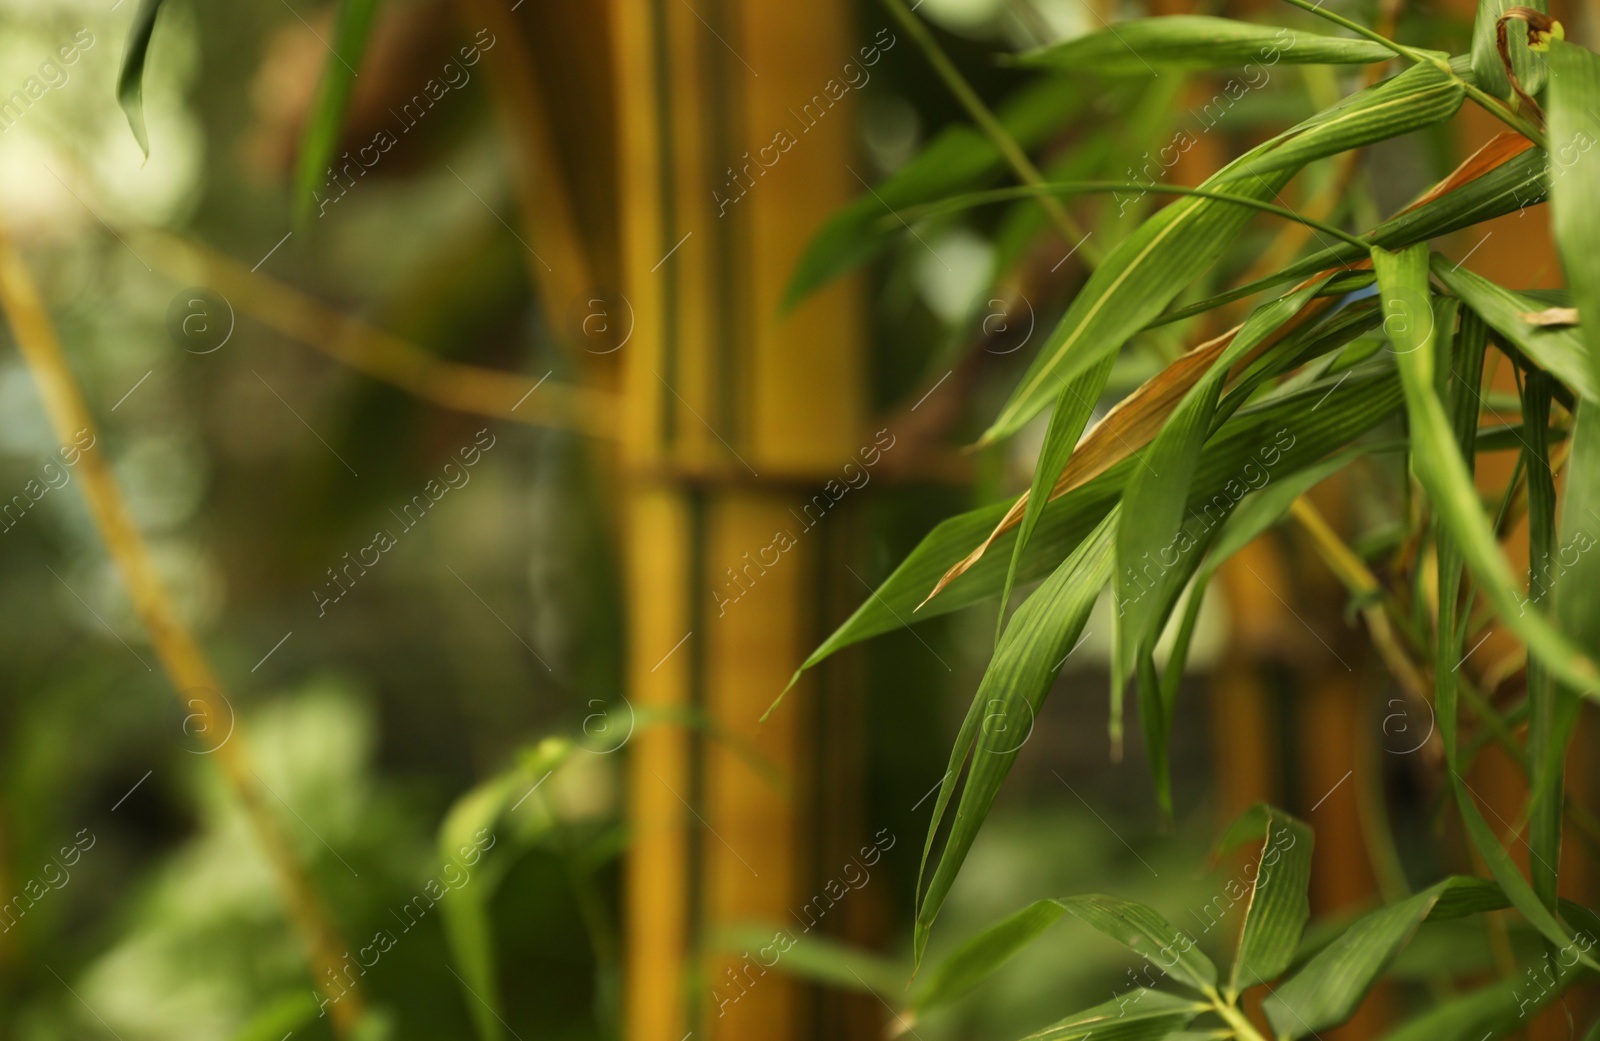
(1542, 29)
(1551, 316)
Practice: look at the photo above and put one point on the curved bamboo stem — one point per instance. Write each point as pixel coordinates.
(379, 354)
(181, 657)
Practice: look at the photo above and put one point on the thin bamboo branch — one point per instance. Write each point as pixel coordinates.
(1012, 152)
(379, 354)
(181, 657)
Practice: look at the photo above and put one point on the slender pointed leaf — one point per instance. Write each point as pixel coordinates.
(1146, 933)
(1139, 1015)
(1575, 181)
(1349, 407)
(352, 25)
(1132, 47)
(1403, 278)
(1327, 989)
(130, 78)
(1149, 268)
(1031, 652)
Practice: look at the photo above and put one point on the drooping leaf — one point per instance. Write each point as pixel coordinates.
(352, 26)
(1031, 652)
(812, 957)
(1073, 408)
(130, 78)
(1403, 280)
(1552, 712)
(1158, 492)
(1350, 407)
(1133, 46)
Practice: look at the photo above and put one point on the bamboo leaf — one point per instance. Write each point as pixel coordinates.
(978, 958)
(130, 78)
(1506, 175)
(1139, 1015)
(1071, 415)
(1494, 1011)
(352, 26)
(1559, 350)
(1279, 907)
(1031, 652)
(1158, 491)
(813, 957)
(1551, 712)
(1575, 181)
(1350, 407)
(1419, 97)
(1327, 989)
(1403, 279)
(1146, 933)
(1150, 267)
(958, 158)
(1132, 47)
(1488, 69)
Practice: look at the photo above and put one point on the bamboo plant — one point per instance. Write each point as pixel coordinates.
(1364, 342)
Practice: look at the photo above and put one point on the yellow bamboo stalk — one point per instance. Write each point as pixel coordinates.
(181, 657)
(379, 354)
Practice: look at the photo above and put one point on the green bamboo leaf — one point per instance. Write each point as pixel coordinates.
(1576, 606)
(1506, 872)
(1575, 182)
(130, 78)
(1327, 989)
(352, 26)
(1436, 455)
(978, 958)
(1025, 664)
(468, 926)
(1139, 1015)
(1279, 908)
(958, 158)
(1516, 184)
(1073, 408)
(285, 1014)
(1146, 933)
(1403, 280)
(1150, 267)
(1495, 1011)
(1157, 494)
(1132, 47)
(1559, 350)
(1419, 97)
(1552, 712)
(1488, 69)
(1320, 419)
(812, 957)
